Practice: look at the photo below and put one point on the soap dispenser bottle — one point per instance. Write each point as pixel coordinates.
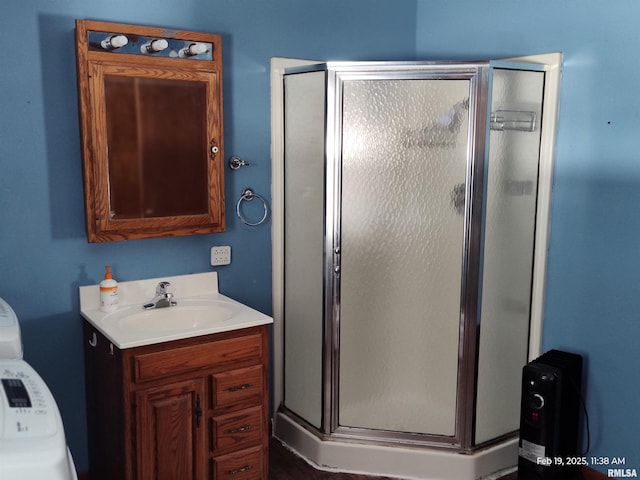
(108, 292)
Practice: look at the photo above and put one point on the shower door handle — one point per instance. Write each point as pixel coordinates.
(458, 197)
(336, 260)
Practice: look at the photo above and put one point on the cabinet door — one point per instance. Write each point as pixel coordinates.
(170, 431)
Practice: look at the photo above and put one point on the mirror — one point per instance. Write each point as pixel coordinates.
(151, 117)
(152, 123)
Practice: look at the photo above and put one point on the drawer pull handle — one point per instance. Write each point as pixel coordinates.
(244, 428)
(246, 468)
(240, 387)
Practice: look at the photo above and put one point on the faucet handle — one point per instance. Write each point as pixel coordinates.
(161, 289)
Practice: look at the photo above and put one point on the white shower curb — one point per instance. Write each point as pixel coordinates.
(398, 462)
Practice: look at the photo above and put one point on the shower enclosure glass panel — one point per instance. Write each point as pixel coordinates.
(510, 219)
(304, 234)
(404, 164)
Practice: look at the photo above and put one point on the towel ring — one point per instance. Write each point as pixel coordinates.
(248, 195)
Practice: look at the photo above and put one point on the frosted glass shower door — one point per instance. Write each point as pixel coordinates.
(402, 209)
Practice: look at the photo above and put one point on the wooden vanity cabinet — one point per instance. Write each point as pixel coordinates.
(185, 409)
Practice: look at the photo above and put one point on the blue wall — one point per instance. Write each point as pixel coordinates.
(593, 284)
(44, 255)
(593, 294)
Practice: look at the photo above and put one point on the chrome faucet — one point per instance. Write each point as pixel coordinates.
(162, 299)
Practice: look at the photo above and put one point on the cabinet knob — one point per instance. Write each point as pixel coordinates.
(214, 149)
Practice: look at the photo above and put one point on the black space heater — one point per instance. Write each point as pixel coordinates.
(549, 417)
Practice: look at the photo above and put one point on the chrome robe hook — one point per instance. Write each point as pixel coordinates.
(236, 162)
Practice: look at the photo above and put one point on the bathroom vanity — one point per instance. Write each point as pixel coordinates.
(194, 407)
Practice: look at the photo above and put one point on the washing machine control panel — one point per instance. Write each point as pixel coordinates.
(27, 408)
(16, 392)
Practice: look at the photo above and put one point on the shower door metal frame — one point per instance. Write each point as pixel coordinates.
(479, 75)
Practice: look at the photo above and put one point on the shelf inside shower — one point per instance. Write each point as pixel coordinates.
(513, 120)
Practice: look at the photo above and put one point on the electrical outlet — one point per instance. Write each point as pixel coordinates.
(220, 255)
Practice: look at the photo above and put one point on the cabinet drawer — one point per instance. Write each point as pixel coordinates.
(237, 430)
(242, 465)
(193, 357)
(239, 388)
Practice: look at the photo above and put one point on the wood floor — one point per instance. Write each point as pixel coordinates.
(285, 465)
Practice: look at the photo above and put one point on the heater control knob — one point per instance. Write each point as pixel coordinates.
(536, 401)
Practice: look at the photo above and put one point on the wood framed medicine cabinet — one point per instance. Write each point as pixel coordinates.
(152, 131)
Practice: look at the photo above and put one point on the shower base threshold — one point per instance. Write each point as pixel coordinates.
(393, 461)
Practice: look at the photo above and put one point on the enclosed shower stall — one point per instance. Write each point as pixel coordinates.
(410, 210)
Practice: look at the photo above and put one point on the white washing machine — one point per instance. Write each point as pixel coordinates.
(32, 440)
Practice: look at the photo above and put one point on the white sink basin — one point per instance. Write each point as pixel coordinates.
(201, 310)
(188, 314)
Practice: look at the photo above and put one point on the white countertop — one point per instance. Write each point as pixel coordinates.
(189, 291)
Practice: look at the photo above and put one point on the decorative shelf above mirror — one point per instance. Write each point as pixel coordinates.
(152, 131)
